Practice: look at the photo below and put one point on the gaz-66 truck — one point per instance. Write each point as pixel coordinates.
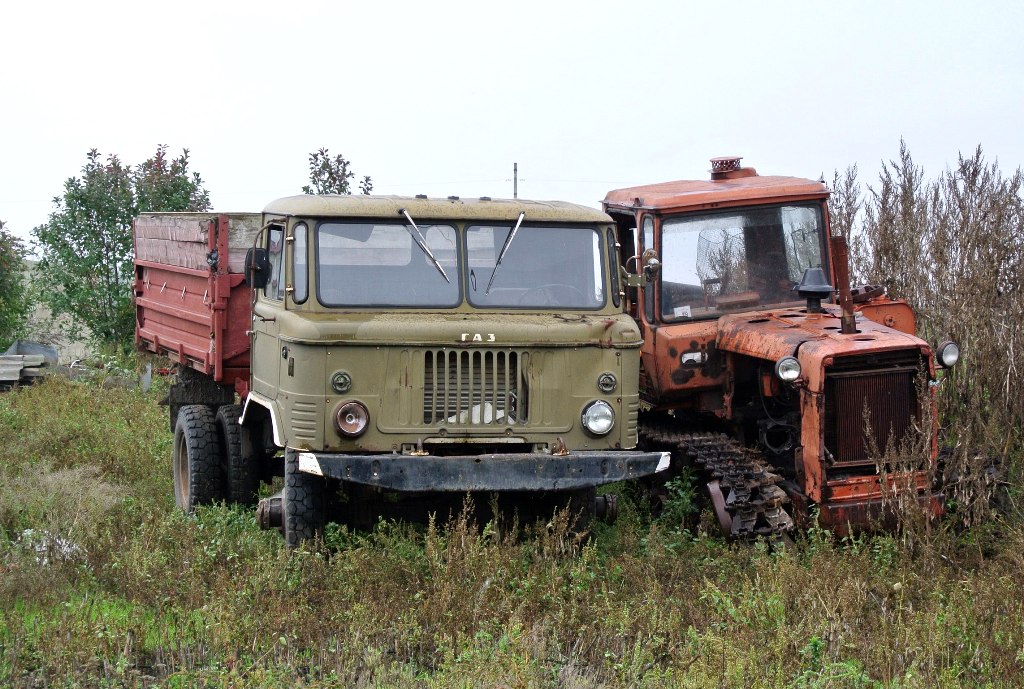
(387, 347)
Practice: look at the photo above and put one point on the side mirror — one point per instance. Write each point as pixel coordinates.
(651, 264)
(257, 268)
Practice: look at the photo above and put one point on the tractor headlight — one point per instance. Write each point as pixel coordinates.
(598, 417)
(948, 354)
(351, 419)
(787, 369)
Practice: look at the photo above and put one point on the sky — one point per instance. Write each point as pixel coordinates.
(442, 98)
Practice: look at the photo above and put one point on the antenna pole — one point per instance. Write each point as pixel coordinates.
(515, 180)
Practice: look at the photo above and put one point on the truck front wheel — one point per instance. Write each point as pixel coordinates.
(198, 479)
(303, 503)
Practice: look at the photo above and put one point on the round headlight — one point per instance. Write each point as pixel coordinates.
(351, 419)
(341, 382)
(948, 354)
(787, 369)
(606, 382)
(598, 417)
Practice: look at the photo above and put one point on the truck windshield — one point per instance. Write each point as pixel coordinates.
(378, 264)
(543, 267)
(736, 259)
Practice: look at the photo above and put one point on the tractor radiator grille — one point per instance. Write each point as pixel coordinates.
(475, 388)
(888, 393)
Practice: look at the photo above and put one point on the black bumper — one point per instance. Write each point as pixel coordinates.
(529, 472)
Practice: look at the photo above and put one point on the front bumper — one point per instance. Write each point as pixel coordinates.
(497, 472)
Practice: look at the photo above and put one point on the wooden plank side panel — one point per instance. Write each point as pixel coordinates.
(242, 231)
(182, 239)
(172, 252)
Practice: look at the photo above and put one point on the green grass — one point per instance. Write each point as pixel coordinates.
(155, 598)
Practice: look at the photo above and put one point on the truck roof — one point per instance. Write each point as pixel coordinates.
(693, 194)
(485, 208)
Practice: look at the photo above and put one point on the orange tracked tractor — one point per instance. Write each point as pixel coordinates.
(762, 368)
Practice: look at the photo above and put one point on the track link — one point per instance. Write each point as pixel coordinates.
(753, 501)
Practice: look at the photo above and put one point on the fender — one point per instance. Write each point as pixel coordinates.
(270, 406)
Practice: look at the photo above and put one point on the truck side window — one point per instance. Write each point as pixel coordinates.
(300, 270)
(649, 289)
(613, 266)
(275, 246)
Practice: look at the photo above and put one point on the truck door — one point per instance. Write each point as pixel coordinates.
(266, 347)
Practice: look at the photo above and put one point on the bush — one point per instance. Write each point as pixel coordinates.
(86, 268)
(15, 303)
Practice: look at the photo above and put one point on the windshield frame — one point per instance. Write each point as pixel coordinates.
(459, 273)
(600, 253)
(823, 255)
(416, 254)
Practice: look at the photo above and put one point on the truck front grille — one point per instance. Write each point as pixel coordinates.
(883, 386)
(475, 388)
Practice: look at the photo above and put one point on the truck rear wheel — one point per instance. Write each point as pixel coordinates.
(198, 479)
(241, 477)
(303, 503)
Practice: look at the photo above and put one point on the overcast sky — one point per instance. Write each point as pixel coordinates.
(443, 97)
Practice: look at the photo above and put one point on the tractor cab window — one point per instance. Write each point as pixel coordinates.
(738, 259)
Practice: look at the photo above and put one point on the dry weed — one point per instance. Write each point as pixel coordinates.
(953, 247)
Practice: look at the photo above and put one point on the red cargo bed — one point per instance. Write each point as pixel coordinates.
(191, 301)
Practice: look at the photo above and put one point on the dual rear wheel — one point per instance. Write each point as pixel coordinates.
(211, 460)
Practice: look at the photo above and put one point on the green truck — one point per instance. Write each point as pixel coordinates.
(382, 349)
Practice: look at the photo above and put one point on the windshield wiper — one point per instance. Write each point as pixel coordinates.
(504, 248)
(417, 237)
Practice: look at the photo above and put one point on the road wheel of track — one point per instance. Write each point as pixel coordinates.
(198, 479)
(303, 503)
(241, 475)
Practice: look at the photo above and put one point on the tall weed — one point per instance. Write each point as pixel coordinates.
(953, 247)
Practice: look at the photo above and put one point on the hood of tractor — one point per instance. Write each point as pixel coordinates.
(813, 338)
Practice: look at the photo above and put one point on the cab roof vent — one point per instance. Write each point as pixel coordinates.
(728, 167)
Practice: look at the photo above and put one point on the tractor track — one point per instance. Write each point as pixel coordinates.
(743, 486)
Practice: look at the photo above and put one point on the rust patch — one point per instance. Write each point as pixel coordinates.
(683, 375)
(713, 364)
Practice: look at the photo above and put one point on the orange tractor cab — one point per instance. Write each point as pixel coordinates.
(761, 366)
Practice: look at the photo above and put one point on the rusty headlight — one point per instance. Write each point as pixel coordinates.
(948, 353)
(787, 369)
(598, 417)
(351, 419)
